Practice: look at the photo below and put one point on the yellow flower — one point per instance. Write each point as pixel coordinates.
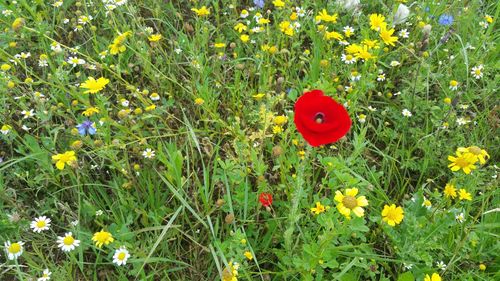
(93, 85)
(278, 3)
(62, 159)
(258, 96)
(220, 45)
(377, 21)
(333, 35)
(370, 43)
(199, 101)
(482, 267)
(464, 195)
(155, 37)
(481, 154)
(392, 215)
(386, 35)
(364, 54)
(150, 107)
(5, 67)
(102, 238)
(117, 46)
(90, 111)
(240, 27)
(277, 129)
(244, 38)
(447, 100)
(201, 12)
(348, 203)
(280, 120)
(324, 16)
(464, 161)
(248, 255)
(319, 208)
(286, 27)
(435, 277)
(488, 18)
(18, 23)
(5, 129)
(450, 191)
(353, 49)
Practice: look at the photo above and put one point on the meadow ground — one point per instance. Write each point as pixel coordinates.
(179, 140)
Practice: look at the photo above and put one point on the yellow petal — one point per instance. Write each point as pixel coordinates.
(362, 201)
(60, 165)
(338, 196)
(351, 192)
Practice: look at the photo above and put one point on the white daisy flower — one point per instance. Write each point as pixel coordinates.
(460, 217)
(13, 250)
(74, 61)
(477, 71)
(121, 256)
(45, 275)
(27, 114)
(148, 153)
(67, 242)
(406, 113)
(404, 33)
(348, 59)
(40, 224)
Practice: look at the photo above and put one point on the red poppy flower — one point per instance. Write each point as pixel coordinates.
(266, 199)
(320, 119)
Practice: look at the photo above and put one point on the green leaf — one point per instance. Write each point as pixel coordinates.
(407, 276)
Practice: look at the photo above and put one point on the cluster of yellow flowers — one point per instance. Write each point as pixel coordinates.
(348, 203)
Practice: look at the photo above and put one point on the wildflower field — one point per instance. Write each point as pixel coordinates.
(249, 140)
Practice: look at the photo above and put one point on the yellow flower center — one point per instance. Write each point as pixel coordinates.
(350, 202)
(462, 162)
(453, 83)
(121, 256)
(478, 71)
(68, 240)
(14, 248)
(40, 224)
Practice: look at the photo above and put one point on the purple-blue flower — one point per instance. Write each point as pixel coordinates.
(259, 3)
(86, 127)
(445, 19)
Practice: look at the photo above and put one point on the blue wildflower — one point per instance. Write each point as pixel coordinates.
(259, 3)
(445, 19)
(86, 127)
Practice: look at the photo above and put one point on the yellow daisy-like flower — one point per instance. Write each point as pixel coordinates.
(463, 160)
(102, 238)
(386, 35)
(248, 255)
(348, 203)
(450, 191)
(377, 21)
(155, 37)
(481, 154)
(324, 16)
(278, 3)
(280, 120)
(61, 160)
(319, 208)
(93, 85)
(90, 111)
(392, 215)
(201, 12)
(199, 101)
(464, 195)
(434, 277)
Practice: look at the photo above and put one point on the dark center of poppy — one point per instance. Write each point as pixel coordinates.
(319, 117)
